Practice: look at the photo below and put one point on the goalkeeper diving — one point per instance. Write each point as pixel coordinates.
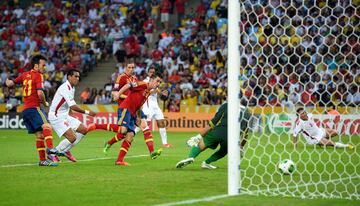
(213, 135)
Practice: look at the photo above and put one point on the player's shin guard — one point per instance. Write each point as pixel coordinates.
(115, 139)
(40, 146)
(108, 127)
(79, 136)
(194, 152)
(148, 139)
(64, 145)
(123, 150)
(47, 132)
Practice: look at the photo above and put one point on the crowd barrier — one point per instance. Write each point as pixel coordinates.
(195, 122)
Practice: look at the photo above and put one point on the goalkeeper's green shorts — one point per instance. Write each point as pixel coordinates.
(212, 141)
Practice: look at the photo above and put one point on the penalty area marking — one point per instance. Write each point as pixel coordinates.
(83, 160)
(211, 198)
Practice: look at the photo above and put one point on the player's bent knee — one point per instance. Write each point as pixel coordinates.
(161, 124)
(129, 136)
(39, 135)
(143, 124)
(123, 130)
(82, 129)
(46, 126)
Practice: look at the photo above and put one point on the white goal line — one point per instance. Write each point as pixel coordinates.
(211, 198)
(83, 160)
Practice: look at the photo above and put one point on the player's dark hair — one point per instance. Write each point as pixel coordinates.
(299, 110)
(36, 59)
(71, 72)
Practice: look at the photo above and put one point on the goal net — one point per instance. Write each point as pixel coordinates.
(300, 53)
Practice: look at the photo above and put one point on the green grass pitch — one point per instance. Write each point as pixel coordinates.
(95, 180)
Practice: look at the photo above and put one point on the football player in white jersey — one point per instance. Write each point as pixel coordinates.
(313, 134)
(152, 110)
(61, 107)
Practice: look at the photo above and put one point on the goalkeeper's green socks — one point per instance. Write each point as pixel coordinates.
(194, 152)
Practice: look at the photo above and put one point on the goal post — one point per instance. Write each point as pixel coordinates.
(285, 55)
(233, 98)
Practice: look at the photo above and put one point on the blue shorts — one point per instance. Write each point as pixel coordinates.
(125, 119)
(143, 115)
(34, 118)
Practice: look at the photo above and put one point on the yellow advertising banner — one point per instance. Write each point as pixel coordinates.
(185, 122)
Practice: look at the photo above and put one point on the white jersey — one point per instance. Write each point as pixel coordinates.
(151, 107)
(62, 101)
(152, 99)
(311, 132)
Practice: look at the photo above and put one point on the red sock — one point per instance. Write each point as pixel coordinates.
(123, 150)
(47, 132)
(40, 146)
(108, 127)
(149, 140)
(116, 138)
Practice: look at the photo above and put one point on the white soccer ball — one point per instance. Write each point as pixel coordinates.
(286, 167)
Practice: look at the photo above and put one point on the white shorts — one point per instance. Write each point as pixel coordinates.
(152, 111)
(63, 124)
(316, 139)
(165, 17)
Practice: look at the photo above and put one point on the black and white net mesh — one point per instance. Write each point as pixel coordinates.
(300, 53)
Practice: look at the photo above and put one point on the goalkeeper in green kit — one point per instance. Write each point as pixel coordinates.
(213, 135)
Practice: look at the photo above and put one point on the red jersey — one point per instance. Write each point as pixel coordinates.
(31, 81)
(121, 80)
(136, 97)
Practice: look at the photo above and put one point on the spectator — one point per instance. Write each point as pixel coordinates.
(85, 95)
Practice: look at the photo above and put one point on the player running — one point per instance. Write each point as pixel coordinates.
(33, 116)
(306, 125)
(152, 110)
(123, 79)
(129, 111)
(59, 115)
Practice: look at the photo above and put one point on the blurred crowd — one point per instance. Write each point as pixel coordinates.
(193, 53)
(300, 53)
(294, 52)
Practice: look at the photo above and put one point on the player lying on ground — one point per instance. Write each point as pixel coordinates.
(313, 134)
(59, 116)
(123, 79)
(128, 110)
(33, 116)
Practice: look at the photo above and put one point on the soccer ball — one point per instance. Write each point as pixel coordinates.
(286, 167)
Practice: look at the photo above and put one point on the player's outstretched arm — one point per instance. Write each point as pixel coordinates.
(78, 109)
(42, 98)
(124, 89)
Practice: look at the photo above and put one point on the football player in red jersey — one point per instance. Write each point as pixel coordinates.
(129, 110)
(122, 80)
(33, 116)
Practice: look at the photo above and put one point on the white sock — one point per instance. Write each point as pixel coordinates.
(163, 135)
(137, 129)
(79, 136)
(340, 145)
(63, 145)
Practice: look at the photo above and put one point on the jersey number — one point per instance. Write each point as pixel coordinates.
(27, 87)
